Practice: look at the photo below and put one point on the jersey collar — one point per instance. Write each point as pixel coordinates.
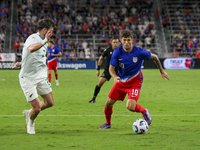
(40, 36)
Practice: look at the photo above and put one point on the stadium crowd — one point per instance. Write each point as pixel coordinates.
(82, 22)
(4, 5)
(181, 19)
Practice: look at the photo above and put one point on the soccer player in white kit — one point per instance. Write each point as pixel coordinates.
(33, 73)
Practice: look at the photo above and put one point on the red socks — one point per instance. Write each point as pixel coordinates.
(139, 108)
(56, 75)
(49, 77)
(108, 112)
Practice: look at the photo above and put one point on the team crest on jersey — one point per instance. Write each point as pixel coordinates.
(53, 50)
(134, 59)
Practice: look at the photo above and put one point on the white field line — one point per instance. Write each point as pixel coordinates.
(175, 115)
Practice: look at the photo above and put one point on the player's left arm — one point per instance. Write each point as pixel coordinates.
(158, 64)
(57, 51)
(59, 54)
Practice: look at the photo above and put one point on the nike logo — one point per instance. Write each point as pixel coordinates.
(31, 95)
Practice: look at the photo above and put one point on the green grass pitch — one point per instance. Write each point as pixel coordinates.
(72, 123)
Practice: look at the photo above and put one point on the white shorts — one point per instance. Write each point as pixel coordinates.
(32, 88)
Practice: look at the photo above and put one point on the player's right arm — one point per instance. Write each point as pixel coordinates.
(99, 65)
(113, 64)
(113, 74)
(36, 46)
(17, 64)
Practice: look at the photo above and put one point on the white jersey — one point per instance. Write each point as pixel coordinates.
(34, 64)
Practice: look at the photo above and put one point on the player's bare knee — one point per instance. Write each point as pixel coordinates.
(37, 109)
(99, 84)
(130, 107)
(109, 103)
(50, 103)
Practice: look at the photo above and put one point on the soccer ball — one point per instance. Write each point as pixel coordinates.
(140, 126)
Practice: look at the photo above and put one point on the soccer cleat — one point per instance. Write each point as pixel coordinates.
(57, 83)
(105, 126)
(92, 101)
(147, 117)
(30, 126)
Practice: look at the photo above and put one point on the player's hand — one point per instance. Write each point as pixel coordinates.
(52, 54)
(116, 79)
(164, 75)
(49, 34)
(17, 64)
(98, 72)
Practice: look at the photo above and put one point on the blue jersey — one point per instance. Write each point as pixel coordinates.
(129, 64)
(54, 50)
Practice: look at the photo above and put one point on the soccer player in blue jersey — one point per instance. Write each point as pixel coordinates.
(128, 58)
(53, 53)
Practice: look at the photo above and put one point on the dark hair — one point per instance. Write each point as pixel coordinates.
(126, 34)
(115, 38)
(52, 41)
(45, 23)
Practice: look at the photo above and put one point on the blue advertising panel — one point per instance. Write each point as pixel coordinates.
(77, 64)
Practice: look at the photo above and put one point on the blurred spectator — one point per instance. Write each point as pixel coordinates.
(65, 44)
(17, 26)
(197, 53)
(1, 51)
(58, 43)
(140, 44)
(84, 44)
(179, 45)
(72, 55)
(3, 15)
(87, 53)
(21, 43)
(190, 44)
(85, 26)
(79, 19)
(103, 36)
(74, 29)
(16, 45)
(184, 50)
(148, 48)
(66, 55)
(141, 28)
(79, 45)
(2, 36)
(154, 52)
(165, 21)
(148, 40)
(81, 55)
(195, 42)
(93, 54)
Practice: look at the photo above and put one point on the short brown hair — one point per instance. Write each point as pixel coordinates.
(52, 41)
(45, 23)
(126, 34)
